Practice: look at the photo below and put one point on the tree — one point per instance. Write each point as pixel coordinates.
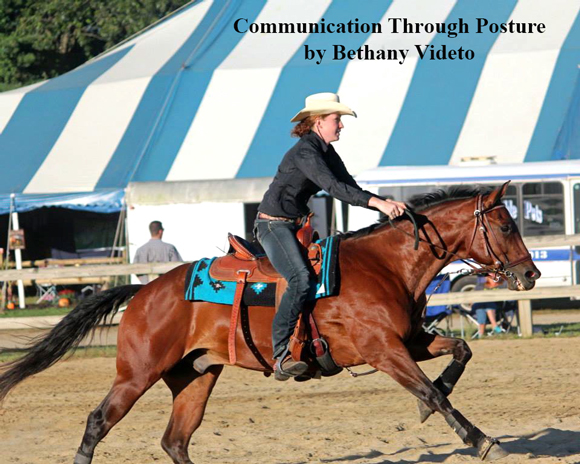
(40, 40)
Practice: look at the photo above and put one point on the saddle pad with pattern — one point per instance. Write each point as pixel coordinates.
(200, 286)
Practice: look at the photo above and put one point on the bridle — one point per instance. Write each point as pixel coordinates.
(499, 267)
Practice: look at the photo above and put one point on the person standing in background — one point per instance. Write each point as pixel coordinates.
(156, 250)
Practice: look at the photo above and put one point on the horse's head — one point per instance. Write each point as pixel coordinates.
(496, 243)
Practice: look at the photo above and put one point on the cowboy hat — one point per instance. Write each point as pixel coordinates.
(322, 103)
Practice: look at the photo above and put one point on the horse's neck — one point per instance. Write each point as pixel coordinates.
(417, 268)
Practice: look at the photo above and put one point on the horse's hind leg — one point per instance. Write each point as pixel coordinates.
(396, 361)
(191, 391)
(122, 396)
(429, 346)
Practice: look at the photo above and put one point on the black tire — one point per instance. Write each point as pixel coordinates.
(464, 284)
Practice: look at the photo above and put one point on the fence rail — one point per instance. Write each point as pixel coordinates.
(53, 269)
(45, 274)
(504, 295)
(552, 241)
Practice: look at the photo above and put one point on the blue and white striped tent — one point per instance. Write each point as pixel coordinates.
(192, 99)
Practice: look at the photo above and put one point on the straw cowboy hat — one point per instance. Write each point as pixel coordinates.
(322, 103)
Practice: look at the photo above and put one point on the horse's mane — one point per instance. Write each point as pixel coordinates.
(427, 200)
(422, 202)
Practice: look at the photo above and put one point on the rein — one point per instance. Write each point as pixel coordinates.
(482, 224)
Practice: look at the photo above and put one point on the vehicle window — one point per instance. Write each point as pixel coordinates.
(512, 191)
(405, 193)
(390, 193)
(543, 208)
(510, 200)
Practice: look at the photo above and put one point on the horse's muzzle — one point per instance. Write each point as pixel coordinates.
(524, 276)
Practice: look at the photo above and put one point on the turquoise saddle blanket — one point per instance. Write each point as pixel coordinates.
(200, 286)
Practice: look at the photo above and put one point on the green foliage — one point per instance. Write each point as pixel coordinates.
(561, 330)
(40, 40)
(36, 312)
(83, 352)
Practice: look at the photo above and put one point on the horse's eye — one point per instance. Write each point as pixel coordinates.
(506, 228)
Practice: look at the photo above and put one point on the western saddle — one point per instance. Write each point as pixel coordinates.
(245, 256)
(245, 263)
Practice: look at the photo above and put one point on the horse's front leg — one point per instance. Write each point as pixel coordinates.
(386, 351)
(427, 346)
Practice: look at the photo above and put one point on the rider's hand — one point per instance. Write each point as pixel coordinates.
(390, 208)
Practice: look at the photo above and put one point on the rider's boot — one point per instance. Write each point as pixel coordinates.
(286, 367)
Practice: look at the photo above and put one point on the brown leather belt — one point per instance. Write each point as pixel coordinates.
(276, 218)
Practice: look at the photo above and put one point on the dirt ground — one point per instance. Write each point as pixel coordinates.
(525, 392)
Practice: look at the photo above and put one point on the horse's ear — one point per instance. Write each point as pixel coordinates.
(496, 195)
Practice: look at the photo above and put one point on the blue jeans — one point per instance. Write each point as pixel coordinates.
(481, 315)
(278, 238)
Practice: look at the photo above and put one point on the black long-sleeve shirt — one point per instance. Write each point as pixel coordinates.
(308, 167)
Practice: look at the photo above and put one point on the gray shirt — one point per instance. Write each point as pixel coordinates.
(157, 251)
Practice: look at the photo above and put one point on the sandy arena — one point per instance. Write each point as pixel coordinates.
(526, 392)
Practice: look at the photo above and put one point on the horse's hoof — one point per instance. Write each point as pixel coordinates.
(490, 450)
(82, 458)
(424, 411)
(496, 452)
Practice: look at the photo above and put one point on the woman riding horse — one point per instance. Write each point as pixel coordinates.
(309, 166)
(375, 319)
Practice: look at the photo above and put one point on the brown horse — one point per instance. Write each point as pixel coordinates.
(375, 319)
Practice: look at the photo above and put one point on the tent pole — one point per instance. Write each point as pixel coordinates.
(126, 231)
(6, 262)
(18, 259)
(118, 235)
(117, 238)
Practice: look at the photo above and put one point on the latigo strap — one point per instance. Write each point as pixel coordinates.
(241, 283)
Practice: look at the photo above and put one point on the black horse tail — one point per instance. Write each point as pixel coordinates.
(66, 335)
